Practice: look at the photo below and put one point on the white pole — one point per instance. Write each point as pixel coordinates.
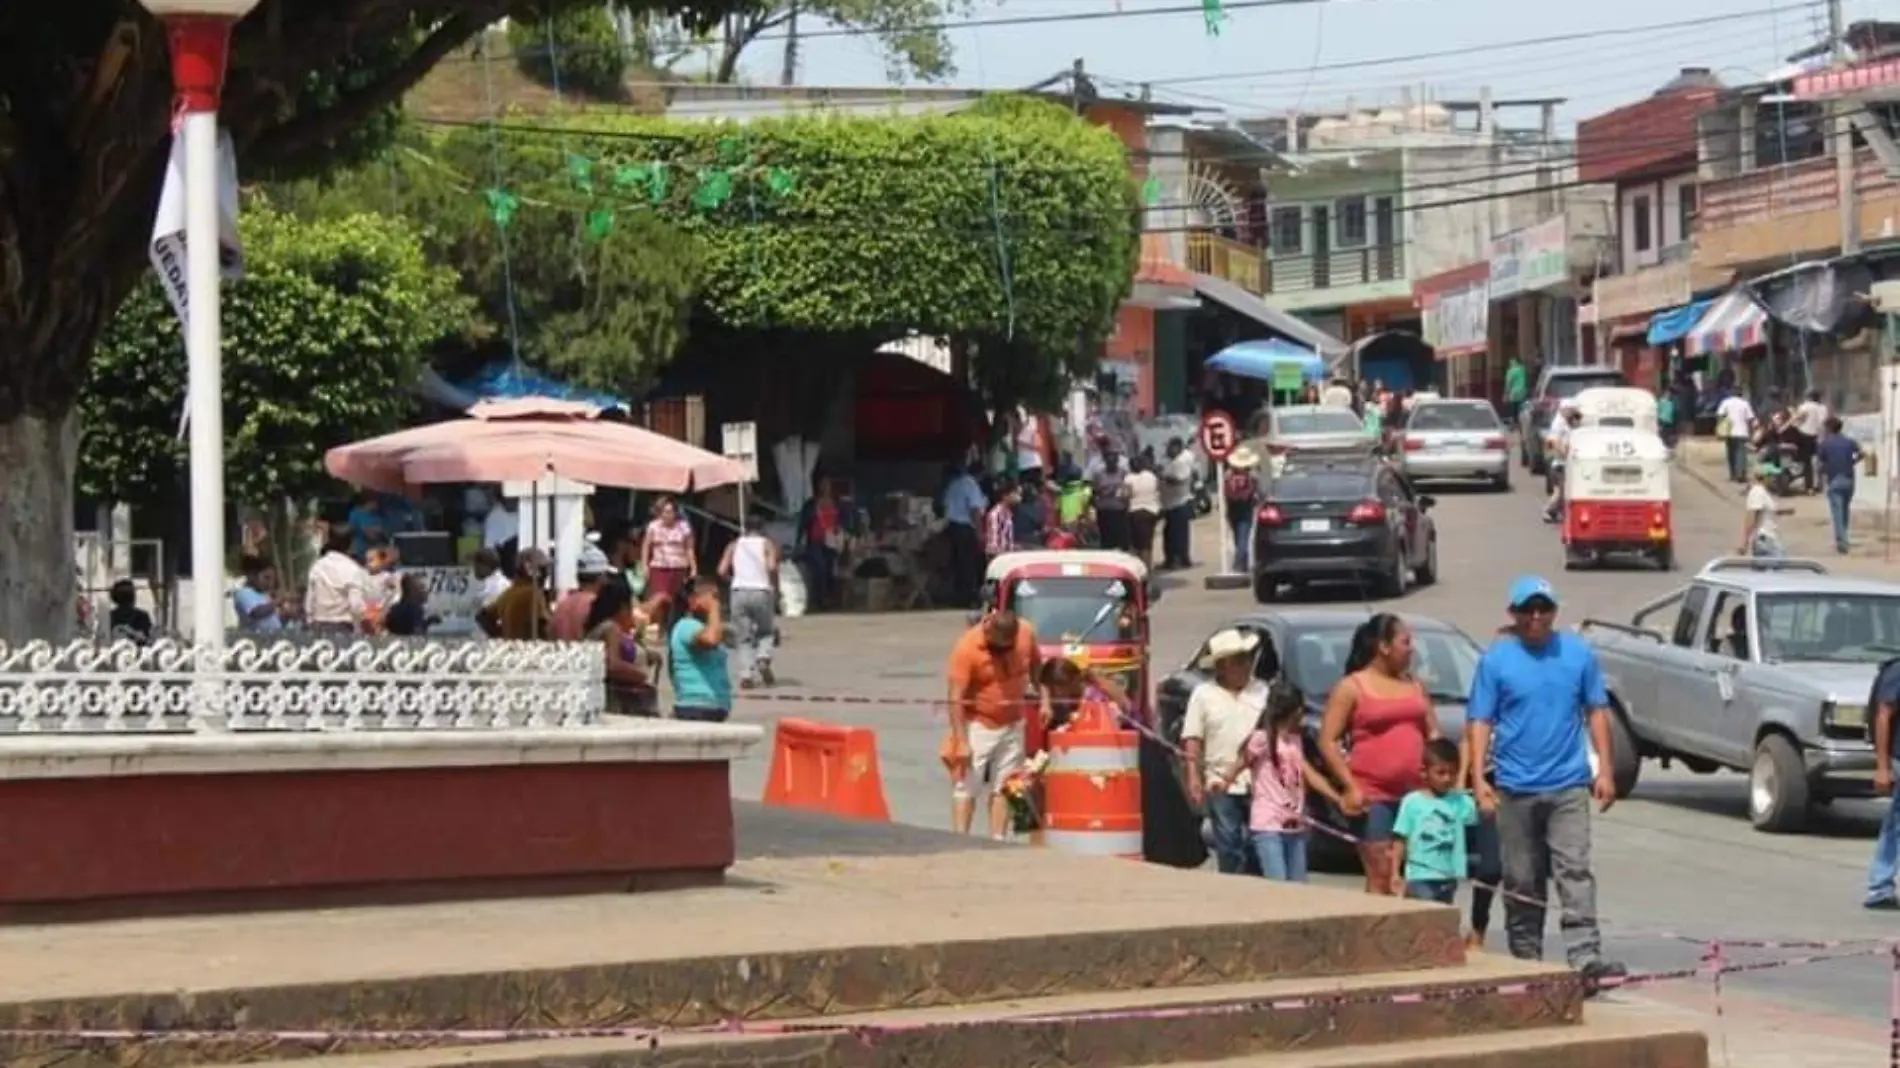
(1227, 546)
(205, 384)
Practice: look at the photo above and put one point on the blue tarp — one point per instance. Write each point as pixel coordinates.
(1257, 359)
(1669, 327)
(504, 380)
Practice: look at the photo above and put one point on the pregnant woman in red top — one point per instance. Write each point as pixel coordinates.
(1387, 717)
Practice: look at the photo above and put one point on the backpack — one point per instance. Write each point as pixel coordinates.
(1239, 486)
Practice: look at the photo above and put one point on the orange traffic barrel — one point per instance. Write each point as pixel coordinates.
(826, 768)
(1091, 791)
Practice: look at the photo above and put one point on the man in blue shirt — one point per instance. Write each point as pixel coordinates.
(1534, 692)
(963, 508)
(1881, 874)
(1836, 456)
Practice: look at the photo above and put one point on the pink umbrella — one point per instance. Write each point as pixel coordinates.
(523, 440)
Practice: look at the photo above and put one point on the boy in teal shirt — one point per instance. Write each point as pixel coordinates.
(1430, 829)
(696, 652)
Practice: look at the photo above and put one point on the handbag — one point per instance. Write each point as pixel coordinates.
(1721, 426)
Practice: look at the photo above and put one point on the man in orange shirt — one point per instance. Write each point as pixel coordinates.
(990, 670)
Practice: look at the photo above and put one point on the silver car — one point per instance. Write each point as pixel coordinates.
(1314, 430)
(1765, 667)
(1455, 439)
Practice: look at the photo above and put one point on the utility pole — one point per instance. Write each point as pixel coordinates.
(789, 75)
(1843, 130)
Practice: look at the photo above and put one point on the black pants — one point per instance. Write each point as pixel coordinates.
(1112, 525)
(1487, 870)
(966, 564)
(1804, 457)
(1174, 535)
(1141, 534)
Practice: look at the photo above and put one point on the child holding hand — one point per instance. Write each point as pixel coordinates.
(1276, 754)
(1430, 830)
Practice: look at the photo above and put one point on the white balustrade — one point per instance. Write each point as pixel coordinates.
(300, 683)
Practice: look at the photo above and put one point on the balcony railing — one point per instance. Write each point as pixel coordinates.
(1226, 259)
(1257, 271)
(1332, 270)
(1792, 210)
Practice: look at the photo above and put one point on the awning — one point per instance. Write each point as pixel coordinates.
(1669, 327)
(1291, 327)
(1264, 359)
(1878, 76)
(1733, 323)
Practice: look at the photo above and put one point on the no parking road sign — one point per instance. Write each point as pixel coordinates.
(1218, 436)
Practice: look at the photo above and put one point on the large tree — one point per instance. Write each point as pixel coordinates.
(85, 98)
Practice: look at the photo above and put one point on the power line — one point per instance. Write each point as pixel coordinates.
(1495, 46)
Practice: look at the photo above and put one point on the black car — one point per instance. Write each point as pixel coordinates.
(1309, 646)
(1358, 521)
(1554, 386)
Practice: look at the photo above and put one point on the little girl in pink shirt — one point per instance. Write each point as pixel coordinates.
(1276, 753)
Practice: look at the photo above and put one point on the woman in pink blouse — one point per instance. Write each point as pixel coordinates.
(671, 558)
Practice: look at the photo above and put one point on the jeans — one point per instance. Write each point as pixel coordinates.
(1443, 891)
(966, 565)
(1737, 458)
(1487, 870)
(1545, 840)
(1282, 855)
(821, 563)
(1886, 865)
(1228, 813)
(1243, 540)
(1176, 526)
(1840, 500)
(694, 714)
(755, 619)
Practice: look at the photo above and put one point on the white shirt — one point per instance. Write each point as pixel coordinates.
(1028, 444)
(1336, 397)
(338, 590)
(1761, 504)
(500, 528)
(491, 587)
(1740, 415)
(751, 555)
(1557, 438)
(1144, 493)
(1179, 481)
(1811, 418)
(1221, 721)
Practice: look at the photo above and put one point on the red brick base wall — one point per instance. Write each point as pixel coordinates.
(137, 845)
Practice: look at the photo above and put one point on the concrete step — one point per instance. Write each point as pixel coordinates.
(1121, 1029)
(788, 937)
(1609, 1037)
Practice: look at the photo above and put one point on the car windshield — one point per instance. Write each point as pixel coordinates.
(1074, 609)
(1453, 417)
(1320, 486)
(1444, 660)
(1563, 387)
(1319, 421)
(1855, 628)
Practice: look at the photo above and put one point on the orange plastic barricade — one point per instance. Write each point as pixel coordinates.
(1091, 791)
(826, 768)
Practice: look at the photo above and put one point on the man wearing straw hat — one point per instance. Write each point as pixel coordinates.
(1241, 494)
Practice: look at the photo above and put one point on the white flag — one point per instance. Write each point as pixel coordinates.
(168, 232)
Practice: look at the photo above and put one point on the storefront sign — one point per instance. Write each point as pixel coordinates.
(1648, 290)
(1457, 320)
(1530, 259)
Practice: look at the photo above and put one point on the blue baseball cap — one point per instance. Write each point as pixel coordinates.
(1529, 588)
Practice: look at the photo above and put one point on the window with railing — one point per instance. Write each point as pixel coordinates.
(1351, 215)
(1339, 267)
(1288, 231)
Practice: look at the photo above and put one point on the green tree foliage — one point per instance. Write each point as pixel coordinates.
(323, 341)
(601, 299)
(910, 33)
(1011, 227)
(574, 50)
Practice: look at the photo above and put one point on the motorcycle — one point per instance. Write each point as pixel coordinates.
(1203, 495)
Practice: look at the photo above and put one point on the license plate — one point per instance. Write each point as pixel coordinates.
(1310, 526)
(1621, 475)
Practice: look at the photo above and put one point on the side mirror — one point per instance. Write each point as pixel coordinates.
(1427, 502)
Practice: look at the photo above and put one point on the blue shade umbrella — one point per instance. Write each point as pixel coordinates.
(1258, 359)
(504, 380)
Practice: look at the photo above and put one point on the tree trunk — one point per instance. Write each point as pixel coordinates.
(39, 457)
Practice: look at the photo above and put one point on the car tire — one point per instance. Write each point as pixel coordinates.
(1265, 589)
(1626, 761)
(1392, 583)
(1666, 558)
(1778, 787)
(1502, 483)
(1428, 571)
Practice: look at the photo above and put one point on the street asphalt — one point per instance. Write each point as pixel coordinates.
(1678, 858)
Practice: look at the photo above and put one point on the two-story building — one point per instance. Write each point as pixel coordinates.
(1648, 152)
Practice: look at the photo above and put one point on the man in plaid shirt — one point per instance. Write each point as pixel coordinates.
(999, 524)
